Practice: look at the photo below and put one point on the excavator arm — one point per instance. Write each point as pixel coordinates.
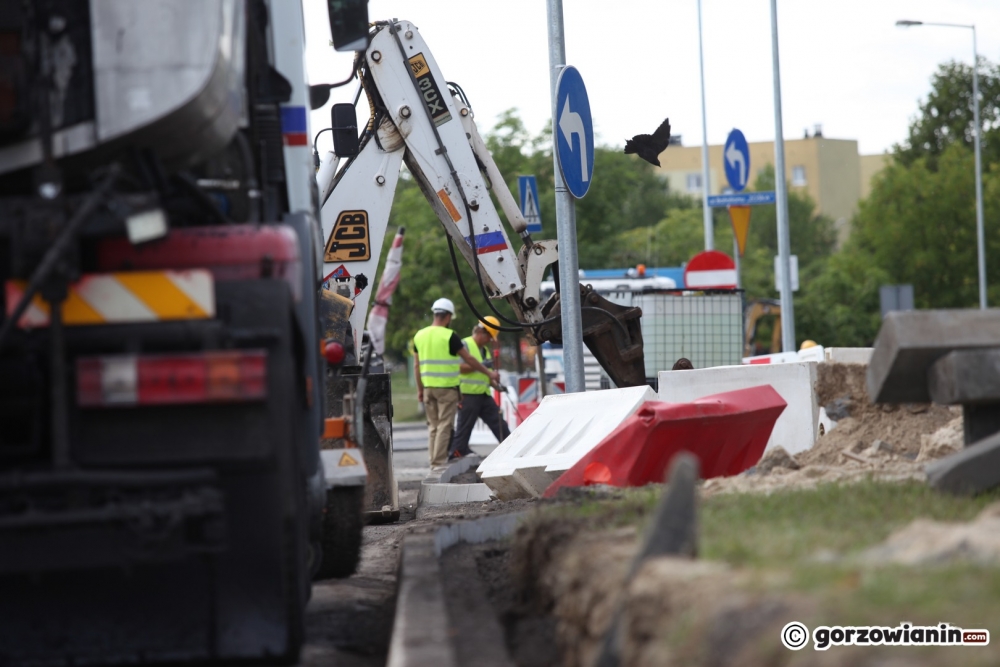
(415, 119)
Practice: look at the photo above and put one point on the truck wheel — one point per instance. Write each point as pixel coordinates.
(342, 524)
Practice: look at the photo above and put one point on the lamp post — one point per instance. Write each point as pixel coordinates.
(705, 210)
(980, 233)
(781, 199)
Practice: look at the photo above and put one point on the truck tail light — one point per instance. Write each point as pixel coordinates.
(170, 379)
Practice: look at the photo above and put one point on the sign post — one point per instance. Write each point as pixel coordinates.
(528, 187)
(573, 136)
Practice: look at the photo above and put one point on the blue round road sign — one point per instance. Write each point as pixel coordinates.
(736, 159)
(574, 132)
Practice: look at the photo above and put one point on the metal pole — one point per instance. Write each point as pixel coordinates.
(736, 258)
(569, 263)
(781, 190)
(980, 233)
(705, 183)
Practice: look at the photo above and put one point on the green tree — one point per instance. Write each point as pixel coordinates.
(946, 116)
(680, 235)
(918, 225)
(839, 305)
(626, 193)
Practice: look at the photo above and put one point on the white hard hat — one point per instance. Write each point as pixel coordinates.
(443, 305)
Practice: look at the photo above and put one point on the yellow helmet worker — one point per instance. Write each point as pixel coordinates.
(491, 325)
(477, 403)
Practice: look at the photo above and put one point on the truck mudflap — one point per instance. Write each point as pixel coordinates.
(611, 331)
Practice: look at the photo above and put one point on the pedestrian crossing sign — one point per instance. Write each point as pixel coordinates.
(528, 187)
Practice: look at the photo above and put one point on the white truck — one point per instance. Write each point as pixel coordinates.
(161, 407)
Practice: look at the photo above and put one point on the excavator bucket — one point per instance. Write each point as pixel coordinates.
(611, 331)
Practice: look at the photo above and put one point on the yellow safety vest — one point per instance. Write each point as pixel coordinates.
(438, 368)
(476, 382)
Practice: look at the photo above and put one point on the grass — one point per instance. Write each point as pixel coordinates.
(404, 399)
(785, 531)
(776, 538)
(757, 530)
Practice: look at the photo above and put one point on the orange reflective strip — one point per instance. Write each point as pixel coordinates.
(78, 311)
(161, 295)
(446, 200)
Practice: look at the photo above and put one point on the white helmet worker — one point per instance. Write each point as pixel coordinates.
(443, 305)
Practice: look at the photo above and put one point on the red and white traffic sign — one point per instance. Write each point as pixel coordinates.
(710, 269)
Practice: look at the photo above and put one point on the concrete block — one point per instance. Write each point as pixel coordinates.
(973, 470)
(848, 355)
(447, 494)
(966, 376)
(477, 531)
(559, 433)
(453, 469)
(910, 342)
(533, 481)
(798, 426)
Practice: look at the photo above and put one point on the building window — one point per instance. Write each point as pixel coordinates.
(694, 182)
(798, 175)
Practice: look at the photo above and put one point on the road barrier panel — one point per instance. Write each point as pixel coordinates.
(559, 433)
(726, 433)
(798, 426)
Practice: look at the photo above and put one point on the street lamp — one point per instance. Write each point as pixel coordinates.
(980, 234)
(706, 211)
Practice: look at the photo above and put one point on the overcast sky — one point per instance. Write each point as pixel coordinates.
(844, 64)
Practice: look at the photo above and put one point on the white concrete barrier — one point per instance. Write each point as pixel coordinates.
(849, 355)
(798, 426)
(559, 433)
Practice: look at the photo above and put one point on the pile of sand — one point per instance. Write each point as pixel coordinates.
(927, 542)
(886, 442)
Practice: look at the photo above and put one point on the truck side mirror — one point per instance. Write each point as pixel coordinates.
(345, 130)
(349, 24)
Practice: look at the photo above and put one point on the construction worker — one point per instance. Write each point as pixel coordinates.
(437, 355)
(477, 403)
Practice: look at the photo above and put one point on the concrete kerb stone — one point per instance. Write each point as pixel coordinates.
(798, 426)
(563, 429)
(420, 627)
(437, 489)
(476, 531)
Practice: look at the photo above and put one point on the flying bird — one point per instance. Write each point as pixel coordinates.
(649, 146)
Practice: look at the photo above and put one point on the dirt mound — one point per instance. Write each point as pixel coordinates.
(927, 542)
(886, 442)
(840, 388)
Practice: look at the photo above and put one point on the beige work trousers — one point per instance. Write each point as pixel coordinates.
(440, 404)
